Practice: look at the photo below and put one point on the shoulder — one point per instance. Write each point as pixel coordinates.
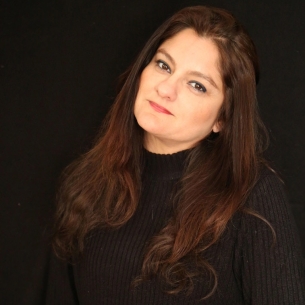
(268, 183)
(267, 211)
(268, 196)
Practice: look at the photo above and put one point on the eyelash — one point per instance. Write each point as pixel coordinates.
(196, 85)
(161, 65)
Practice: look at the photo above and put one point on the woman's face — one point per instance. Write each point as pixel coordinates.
(180, 94)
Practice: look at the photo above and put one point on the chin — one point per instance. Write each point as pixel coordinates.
(149, 123)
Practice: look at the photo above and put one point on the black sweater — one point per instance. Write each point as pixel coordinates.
(250, 268)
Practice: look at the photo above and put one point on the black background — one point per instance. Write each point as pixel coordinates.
(59, 64)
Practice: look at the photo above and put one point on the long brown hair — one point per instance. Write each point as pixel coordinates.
(102, 188)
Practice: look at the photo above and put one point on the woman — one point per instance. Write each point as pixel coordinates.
(175, 204)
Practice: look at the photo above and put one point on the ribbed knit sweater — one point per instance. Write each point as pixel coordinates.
(251, 267)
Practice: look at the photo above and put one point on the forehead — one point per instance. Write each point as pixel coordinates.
(188, 42)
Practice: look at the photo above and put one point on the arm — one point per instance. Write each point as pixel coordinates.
(272, 268)
(61, 289)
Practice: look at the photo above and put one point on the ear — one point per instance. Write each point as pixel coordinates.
(217, 127)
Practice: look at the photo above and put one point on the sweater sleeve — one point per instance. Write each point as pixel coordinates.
(60, 289)
(272, 264)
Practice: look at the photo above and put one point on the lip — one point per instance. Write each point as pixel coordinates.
(159, 108)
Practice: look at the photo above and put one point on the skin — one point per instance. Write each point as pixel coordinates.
(180, 94)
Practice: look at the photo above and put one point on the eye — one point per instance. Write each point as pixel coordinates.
(197, 86)
(163, 66)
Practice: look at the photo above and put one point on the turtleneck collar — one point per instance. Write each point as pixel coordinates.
(164, 166)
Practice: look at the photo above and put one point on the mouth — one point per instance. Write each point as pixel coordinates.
(159, 108)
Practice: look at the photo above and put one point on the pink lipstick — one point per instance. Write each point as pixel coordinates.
(159, 108)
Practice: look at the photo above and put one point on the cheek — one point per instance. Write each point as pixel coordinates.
(200, 114)
(203, 119)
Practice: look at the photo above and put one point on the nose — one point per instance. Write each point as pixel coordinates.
(167, 89)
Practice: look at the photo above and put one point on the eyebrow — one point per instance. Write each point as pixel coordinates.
(194, 73)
